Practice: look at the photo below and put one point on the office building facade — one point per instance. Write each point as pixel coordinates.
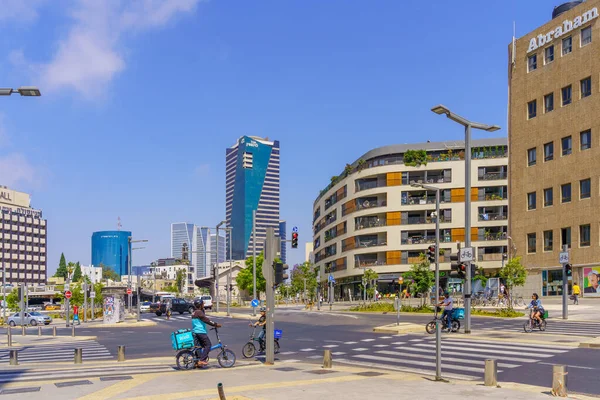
(554, 139)
(111, 249)
(22, 238)
(283, 236)
(371, 216)
(197, 242)
(213, 248)
(252, 183)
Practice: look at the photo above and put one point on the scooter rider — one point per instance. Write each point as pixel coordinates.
(199, 332)
(538, 309)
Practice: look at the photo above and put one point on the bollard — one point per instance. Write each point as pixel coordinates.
(327, 361)
(14, 357)
(78, 356)
(491, 373)
(39, 331)
(9, 336)
(559, 380)
(73, 330)
(121, 353)
(53, 331)
(23, 330)
(221, 391)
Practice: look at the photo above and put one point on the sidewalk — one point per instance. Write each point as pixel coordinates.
(289, 381)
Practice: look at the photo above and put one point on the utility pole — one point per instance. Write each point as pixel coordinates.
(319, 289)
(67, 302)
(139, 292)
(564, 261)
(254, 260)
(229, 275)
(272, 250)
(468, 276)
(129, 276)
(84, 302)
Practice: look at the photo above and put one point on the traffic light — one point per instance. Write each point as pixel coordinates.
(569, 269)
(294, 240)
(458, 268)
(280, 276)
(431, 254)
(473, 270)
(231, 287)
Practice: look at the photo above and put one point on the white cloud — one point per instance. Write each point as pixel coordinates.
(16, 169)
(91, 54)
(19, 10)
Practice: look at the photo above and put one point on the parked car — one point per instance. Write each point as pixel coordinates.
(207, 299)
(145, 306)
(32, 318)
(177, 305)
(52, 307)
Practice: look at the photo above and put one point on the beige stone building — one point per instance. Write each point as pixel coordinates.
(554, 147)
(371, 216)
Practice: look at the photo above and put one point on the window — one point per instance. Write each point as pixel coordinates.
(549, 151)
(586, 36)
(586, 87)
(548, 240)
(531, 243)
(585, 188)
(532, 63)
(584, 235)
(549, 102)
(566, 95)
(531, 201)
(585, 139)
(565, 236)
(566, 145)
(531, 156)
(565, 191)
(548, 196)
(567, 45)
(531, 109)
(549, 54)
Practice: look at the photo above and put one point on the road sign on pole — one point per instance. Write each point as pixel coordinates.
(466, 254)
(92, 295)
(68, 294)
(295, 229)
(563, 257)
(255, 303)
(129, 291)
(331, 278)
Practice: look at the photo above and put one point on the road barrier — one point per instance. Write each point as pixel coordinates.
(559, 380)
(73, 330)
(121, 353)
(327, 361)
(78, 356)
(14, 357)
(491, 373)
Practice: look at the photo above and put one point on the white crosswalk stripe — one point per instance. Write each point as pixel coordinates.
(552, 327)
(92, 350)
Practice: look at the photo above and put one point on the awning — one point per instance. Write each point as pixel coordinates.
(207, 282)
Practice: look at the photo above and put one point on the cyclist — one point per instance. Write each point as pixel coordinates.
(448, 305)
(536, 305)
(199, 332)
(262, 321)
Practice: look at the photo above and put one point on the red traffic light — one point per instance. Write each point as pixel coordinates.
(294, 235)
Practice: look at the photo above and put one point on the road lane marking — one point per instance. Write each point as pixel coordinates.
(360, 349)
(331, 345)
(368, 340)
(309, 349)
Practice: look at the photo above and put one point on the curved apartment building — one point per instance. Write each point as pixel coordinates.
(371, 217)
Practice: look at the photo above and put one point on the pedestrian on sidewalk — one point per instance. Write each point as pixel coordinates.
(576, 293)
(76, 315)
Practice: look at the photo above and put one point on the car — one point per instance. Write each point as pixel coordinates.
(52, 307)
(177, 305)
(207, 299)
(32, 318)
(145, 306)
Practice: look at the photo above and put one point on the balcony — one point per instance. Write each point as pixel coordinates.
(369, 203)
(424, 217)
(492, 236)
(490, 257)
(369, 263)
(369, 183)
(493, 217)
(369, 222)
(492, 193)
(493, 176)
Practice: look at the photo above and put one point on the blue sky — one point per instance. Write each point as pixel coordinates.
(141, 98)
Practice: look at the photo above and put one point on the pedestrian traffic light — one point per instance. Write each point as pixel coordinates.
(431, 254)
(294, 240)
(569, 269)
(280, 274)
(458, 268)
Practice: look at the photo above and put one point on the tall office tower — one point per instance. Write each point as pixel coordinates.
(283, 236)
(198, 241)
(213, 247)
(252, 183)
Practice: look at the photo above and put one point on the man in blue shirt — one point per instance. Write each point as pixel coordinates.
(201, 339)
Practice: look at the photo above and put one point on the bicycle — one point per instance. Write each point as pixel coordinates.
(249, 349)
(186, 359)
(533, 323)
(430, 327)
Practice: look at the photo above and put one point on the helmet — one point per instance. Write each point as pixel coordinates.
(263, 309)
(198, 303)
(446, 293)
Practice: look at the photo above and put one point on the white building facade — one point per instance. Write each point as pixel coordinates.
(93, 273)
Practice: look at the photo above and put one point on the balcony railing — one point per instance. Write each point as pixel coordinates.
(493, 217)
(329, 237)
(361, 205)
(491, 196)
(370, 263)
(418, 200)
(426, 220)
(490, 257)
(493, 176)
(370, 224)
(492, 236)
(360, 186)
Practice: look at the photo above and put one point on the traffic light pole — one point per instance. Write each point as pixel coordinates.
(272, 247)
(438, 328)
(565, 305)
(467, 292)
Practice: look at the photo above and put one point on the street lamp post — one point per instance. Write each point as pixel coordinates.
(129, 286)
(440, 109)
(253, 260)
(27, 91)
(438, 328)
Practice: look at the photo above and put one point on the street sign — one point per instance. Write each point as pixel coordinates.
(331, 278)
(563, 257)
(92, 295)
(295, 229)
(396, 303)
(129, 291)
(67, 286)
(466, 254)
(68, 294)
(255, 303)
(401, 280)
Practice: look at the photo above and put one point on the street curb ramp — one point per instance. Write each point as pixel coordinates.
(403, 327)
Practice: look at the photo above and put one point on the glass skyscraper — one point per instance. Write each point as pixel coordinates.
(111, 249)
(252, 183)
(283, 236)
(213, 247)
(198, 243)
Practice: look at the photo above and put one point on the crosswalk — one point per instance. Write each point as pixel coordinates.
(91, 350)
(557, 327)
(461, 359)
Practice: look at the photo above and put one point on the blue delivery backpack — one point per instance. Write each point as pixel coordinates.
(182, 339)
(459, 313)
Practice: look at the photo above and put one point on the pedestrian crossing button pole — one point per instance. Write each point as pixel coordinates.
(490, 373)
(78, 356)
(23, 330)
(73, 330)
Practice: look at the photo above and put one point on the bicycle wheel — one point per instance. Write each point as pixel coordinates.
(249, 350)
(543, 325)
(430, 327)
(527, 327)
(185, 359)
(455, 325)
(276, 346)
(226, 358)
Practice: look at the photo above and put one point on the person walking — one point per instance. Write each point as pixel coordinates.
(76, 315)
(576, 293)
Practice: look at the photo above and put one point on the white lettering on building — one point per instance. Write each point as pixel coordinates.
(5, 196)
(566, 27)
(252, 144)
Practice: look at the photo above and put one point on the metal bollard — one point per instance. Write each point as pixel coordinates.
(121, 353)
(9, 336)
(327, 361)
(559, 380)
(491, 373)
(53, 331)
(73, 330)
(14, 357)
(78, 356)
(221, 391)
(39, 331)
(23, 330)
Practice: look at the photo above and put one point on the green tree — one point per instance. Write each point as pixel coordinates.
(12, 299)
(180, 280)
(109, 273)
(244, 278)
(513, 274)
(422, 276)
(77, 272)
(61, 272)
(369, 278)
(300, 273)
(71, 269)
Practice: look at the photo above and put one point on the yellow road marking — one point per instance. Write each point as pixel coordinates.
(119, 387)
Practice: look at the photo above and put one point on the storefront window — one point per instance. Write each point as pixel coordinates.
(552, 282)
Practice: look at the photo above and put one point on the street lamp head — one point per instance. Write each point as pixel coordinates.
(5, 91)
(29, 91)
(440, 109)
(493, 128)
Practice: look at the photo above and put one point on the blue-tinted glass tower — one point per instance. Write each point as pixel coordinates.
(111, 248)
(283, 236)
(252, 183)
